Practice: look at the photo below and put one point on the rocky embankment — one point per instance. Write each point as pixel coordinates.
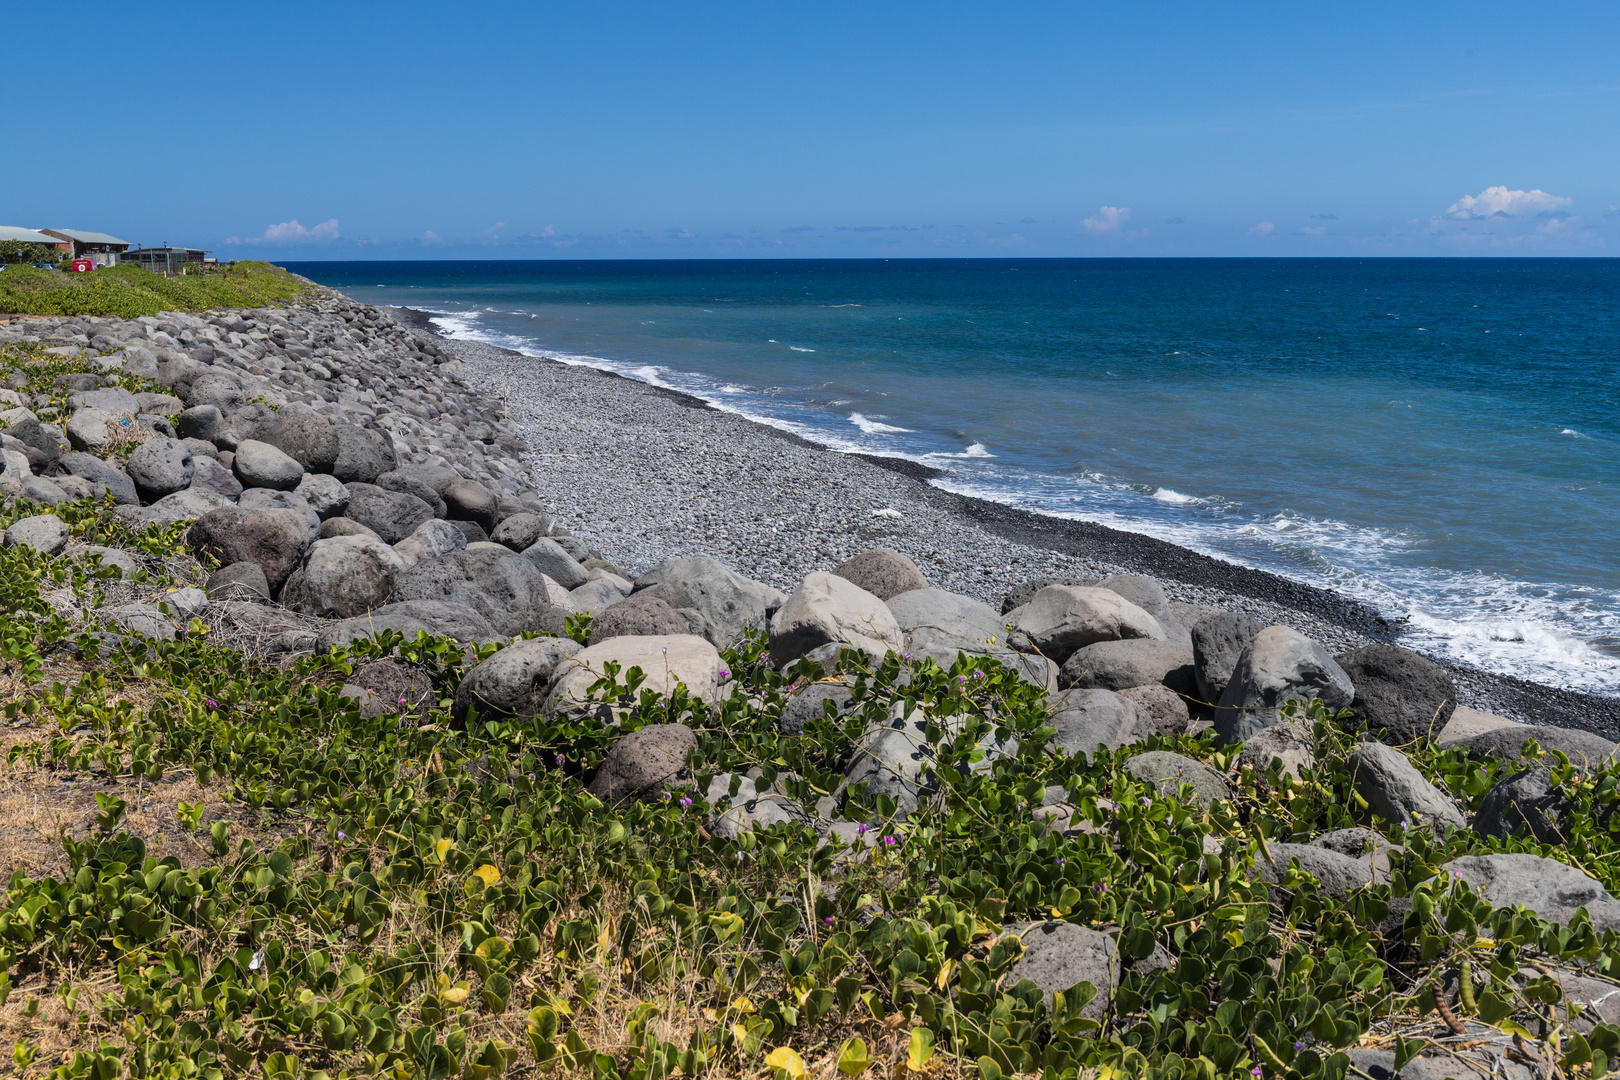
(348, 473)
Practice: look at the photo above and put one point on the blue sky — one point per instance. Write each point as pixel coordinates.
(534, 130)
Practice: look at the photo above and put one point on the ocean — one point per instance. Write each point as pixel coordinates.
(1437, 437)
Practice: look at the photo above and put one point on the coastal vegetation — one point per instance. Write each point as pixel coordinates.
(228, 866)
(128, 292)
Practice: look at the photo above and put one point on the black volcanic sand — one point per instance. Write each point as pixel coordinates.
(645, 473)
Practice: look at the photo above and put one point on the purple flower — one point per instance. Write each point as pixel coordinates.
(559, 759)
(212, 704)
(531, 777)
(342, 835)
(860, 830)
(1062, 863)
(1256, 1071)
(828, 921)
(1299, 1044)
(961, 678)
(725, 674)
(685, 802)
(890, 841)
(1100, 887)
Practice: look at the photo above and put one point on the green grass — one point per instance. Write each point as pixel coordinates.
(128, 292)
(248, 878)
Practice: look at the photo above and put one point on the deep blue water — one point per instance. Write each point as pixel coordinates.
(1439, 437)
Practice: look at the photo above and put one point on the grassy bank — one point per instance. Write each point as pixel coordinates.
(128, 291)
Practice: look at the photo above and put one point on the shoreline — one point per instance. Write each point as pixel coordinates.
(1046, 545)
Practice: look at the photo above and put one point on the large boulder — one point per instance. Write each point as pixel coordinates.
(665, 660)
(1025, 591)
(199, 422)
(324, 494)
(217, 389)
(243, 425)
(243, 581)
(407, 483)
(88, 429)
(645, 763)
(830, 610)
(1530, 801)
(940, 626)
(1292, 746)
(185, 505)
(1336, 875)
(883, 572)
(274, 539)
(430, 540)
(1400, 696)
(1396, 791)
(810, 703)
(894, 758)
(1120, 665)
(1553, 890)
(456, 621)
(1060, 955)
(308, 438)
(513, 682)
(1062, 619)
(1363, 845)
(468, 500)
(271, 499)
(27, 430)
(258, 464)
(159, 467)
(520, 531)
(1159, 709)
(730, 603)
(1279, 666)
(551, 560)
(114, 399)
(1219, 641)
(1583, 749)
(344, 577)
(362, 454)
(1167, 772)
(392, 515)
(91, 468)
(502, 586)
(1143, 591)
(643, 613)
(1465, 723)
(45, 533)
(1086, 719)
(207, 474)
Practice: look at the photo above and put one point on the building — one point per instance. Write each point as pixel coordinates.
(163, 260)
(99, 248)
(33, 236)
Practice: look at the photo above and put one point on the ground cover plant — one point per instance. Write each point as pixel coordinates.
(129, 291)
(223, 867)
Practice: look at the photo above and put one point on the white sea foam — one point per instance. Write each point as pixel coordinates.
(872, 427)
(1175, 498)
(796, 348)
(1572, 432)
(976, 452)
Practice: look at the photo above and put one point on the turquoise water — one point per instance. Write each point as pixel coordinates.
(1438, 437)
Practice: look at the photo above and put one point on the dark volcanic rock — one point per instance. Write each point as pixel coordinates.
(392, 515)
(1400, 696)
(274, 539)
(307, 438)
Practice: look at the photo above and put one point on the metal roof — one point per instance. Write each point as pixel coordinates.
(89, 237)
(27, 236)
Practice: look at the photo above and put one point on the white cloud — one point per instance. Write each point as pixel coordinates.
(1501, 201)
(291, 232)
(1265, 228)
(431, 237)
(1313, 230)
(1108, 219)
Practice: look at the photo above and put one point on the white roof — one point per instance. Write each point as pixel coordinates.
(27, 236)
(90, 237)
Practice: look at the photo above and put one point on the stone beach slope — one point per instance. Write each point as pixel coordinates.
(348, 472)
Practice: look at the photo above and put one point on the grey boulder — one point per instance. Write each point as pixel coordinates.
(468, 500)
(1158, 709)
(520, 531)
(324, 494)
(181, 506)
(1219, 641)
(1061, 619)
(243, 424)
(455, 621)
(810, 704)
(1120, 665)
(1167, 772)
(645, 763)
(1336, 874)
(513, 682)
(1396, 791)
(207, 474)
(344, 577)
(731, 604)
(1279, 666)
(159, 467)
(1058, 956)
(1291, 746)
(641, 614)
(502, 586)
(274, 539)
(392, 515)
(91, 468)
(1086, 719)
(941, 626)
(407, 482)
(829, 610)
(258, 464)
(1583, 749)
(45, 533)
(551, 560)
(1400, 696)
(199, 422)
(883, 572)
(1530, 801)
(307, 438)
(1553, 890)
(362, 454)
(217, 389)
(243, 581)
